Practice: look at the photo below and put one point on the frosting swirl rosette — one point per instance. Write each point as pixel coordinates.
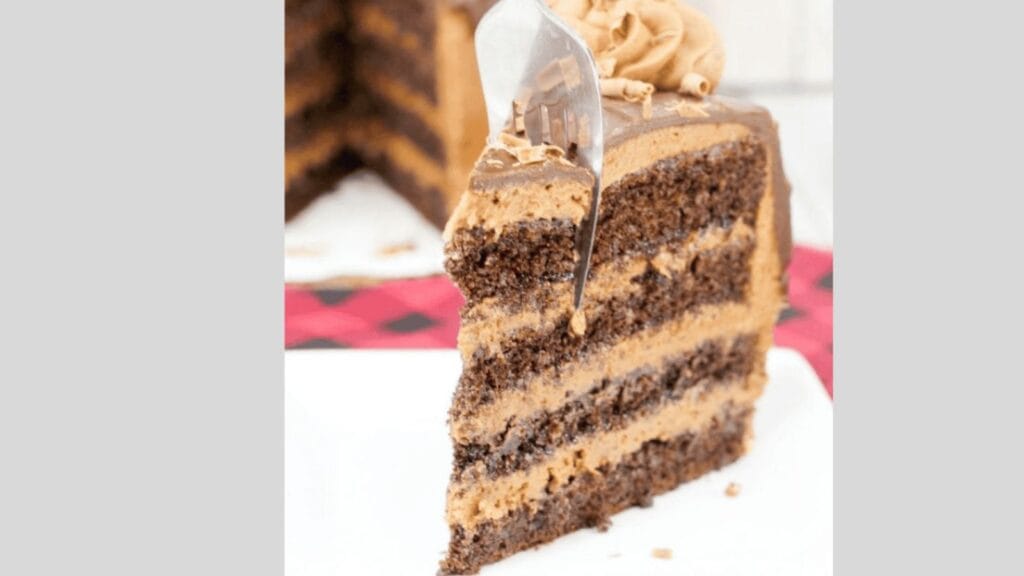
(645, 45)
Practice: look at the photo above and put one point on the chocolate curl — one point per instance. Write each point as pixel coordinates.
(695, 84)
(526, 153)
(510, 141)
(690, 109)
(630, 91)
(518, 117)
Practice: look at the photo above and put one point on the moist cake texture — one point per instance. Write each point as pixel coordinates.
(556, 428)
(391, 85)
(562, 418)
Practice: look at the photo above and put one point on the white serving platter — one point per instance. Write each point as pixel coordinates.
(368, 459)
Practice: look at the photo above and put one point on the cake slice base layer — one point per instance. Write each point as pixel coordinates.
(589, 499)
(611, 404)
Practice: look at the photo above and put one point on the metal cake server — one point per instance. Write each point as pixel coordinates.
(540, 80)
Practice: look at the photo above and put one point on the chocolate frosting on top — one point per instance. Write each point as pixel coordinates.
(624, 121)
(701, 53)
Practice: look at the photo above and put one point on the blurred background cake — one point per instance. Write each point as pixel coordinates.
(388, 85)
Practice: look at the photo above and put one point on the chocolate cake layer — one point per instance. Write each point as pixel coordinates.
(299, 128)
(329, 53)
(712, 277)
(304, 24)
(403, 121)
(428, 200)
(675, 125)
(525, 256)
(291, 5)
(411, 69)
(625, 121)
(662, 203)
(391, 19)
(609, 405)
(589, 499)
(317, 181)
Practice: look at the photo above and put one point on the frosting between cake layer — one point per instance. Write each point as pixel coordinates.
(477, 207)
(384, 86)
(372, 137)
(609, 404)
(315, 151)
(478, 331)
(473, 502)
(372, 20)
(309, 88)
(548, 390)
(631, 142)
(306, 25)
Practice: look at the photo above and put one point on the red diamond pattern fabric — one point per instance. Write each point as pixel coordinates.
(424, 313)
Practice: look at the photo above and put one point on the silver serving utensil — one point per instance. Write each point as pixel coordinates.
(540, 80)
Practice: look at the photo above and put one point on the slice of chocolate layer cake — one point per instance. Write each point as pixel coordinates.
(562, 418)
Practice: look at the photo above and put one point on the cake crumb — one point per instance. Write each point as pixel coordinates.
(394, 249)
(578, 323)
(732, 490)
(526, 153)
(662, 553)
(661, 264)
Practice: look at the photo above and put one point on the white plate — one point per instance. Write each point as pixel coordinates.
(368, 459)
(363, 228)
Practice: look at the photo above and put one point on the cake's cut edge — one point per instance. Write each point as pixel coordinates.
(591, 498)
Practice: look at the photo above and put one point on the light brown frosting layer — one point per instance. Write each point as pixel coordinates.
(373, 138)
(314, 152)
(552, 388)
(677, 124)
(609, 280)
(506, 173)
(659, 43)
(473, 502)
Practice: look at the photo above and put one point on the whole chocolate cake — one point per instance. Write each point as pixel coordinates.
(387, 84)
(563, 417)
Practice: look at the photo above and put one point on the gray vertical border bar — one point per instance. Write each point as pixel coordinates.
(141, 308)
(928, 287)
